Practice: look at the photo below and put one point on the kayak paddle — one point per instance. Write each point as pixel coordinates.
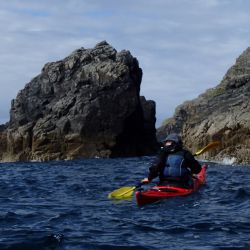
(123, 192)
(208, 147)
(127, 192)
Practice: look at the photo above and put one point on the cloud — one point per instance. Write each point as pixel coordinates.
(184, 47)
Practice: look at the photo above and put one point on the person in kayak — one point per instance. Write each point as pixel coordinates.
(174, 165)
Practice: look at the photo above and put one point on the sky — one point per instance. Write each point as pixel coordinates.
(184, 47)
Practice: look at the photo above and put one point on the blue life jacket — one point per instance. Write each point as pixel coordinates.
(175, 166)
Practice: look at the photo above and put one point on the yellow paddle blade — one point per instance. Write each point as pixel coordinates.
(208, 147)
(122, 193)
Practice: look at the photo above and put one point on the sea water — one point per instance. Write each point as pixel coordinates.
(64, 205)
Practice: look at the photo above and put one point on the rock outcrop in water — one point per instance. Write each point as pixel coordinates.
(87, 105)
(221, 113)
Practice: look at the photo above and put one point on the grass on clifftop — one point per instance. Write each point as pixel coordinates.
(219, 90)
(167, 121)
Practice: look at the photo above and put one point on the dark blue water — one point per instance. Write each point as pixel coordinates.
(64, 205)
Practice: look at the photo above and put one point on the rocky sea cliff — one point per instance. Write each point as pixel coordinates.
(221, 113)
(86, 105)
(89, 105)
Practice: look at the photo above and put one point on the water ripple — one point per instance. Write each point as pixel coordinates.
(63, 205)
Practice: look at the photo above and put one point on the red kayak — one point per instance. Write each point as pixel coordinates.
(157, 193)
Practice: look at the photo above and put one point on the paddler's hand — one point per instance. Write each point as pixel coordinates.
(145, 181)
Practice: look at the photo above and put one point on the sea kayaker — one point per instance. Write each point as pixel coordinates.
(174, 165)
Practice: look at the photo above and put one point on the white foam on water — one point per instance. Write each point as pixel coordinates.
(229, 160)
